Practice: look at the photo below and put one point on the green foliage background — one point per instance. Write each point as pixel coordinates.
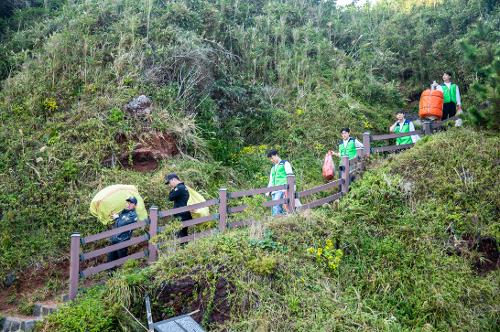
(223, 75)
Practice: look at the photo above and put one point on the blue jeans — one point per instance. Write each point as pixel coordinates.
(278, 209)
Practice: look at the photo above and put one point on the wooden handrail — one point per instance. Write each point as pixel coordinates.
(197, 221)
(114, 231)
(349, 166)
(251, 192)
(392, 148)
(275, 202)
(322, 187)
(389, 136)
(106, 266)
(236, 209)
(198, 235)
(322, 201)
(133, 241)
(166, 213)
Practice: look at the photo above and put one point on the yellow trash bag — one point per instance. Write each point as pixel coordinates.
(195, 198)
(111, 200)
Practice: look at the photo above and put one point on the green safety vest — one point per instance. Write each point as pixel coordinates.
(405, 128)
(350, 151)
(449, 95)
(279, 174)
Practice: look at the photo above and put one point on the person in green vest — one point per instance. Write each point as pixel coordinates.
(348, 146)
(403, 126)
(278, 176)
(451, 95)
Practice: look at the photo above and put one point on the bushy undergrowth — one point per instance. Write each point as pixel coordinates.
(395, 271)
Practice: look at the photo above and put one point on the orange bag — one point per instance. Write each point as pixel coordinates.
(431, 105)
(328, 167)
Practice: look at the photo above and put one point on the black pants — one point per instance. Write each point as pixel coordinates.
(120, 253)
(183, 216)
(449, 110)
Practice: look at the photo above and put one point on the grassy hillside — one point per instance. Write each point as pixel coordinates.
(227, 80)
(398, 266)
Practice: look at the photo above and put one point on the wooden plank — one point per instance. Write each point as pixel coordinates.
(114, 247)
(106, 266)
(241, 223)
(200, 220)
(252, 192)
(114, 231)
(321, 201)
(391, 148)
(276, 202)
(236, 209)
(317, 189)
(197, 235)
(166, 213)
(389, 136)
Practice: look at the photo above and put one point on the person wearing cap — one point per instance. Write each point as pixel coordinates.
(180, 196)
(125, 217)
(279, 172)
(403, 125)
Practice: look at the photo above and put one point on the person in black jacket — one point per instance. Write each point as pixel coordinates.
(180, 196)
(125, 217)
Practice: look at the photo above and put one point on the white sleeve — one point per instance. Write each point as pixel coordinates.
(288, 168)
(459, 102)
(270, 184)
(358, 144)
(439, 87)
(414, 138)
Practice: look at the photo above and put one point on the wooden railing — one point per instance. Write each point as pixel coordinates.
(350, 169)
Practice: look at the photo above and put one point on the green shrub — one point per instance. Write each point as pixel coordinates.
(89, 313)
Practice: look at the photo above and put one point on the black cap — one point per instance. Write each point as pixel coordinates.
(132, 200)
(171, 176)
(271, 153)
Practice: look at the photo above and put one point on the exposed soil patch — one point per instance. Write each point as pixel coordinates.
(488, 259)
(186, 295)
(147, 152)
(483, 249)
(32, 280)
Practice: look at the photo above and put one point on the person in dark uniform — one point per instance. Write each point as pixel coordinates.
(180, 196)
(124, 218)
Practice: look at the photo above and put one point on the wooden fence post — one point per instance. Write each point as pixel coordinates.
(427, 128)
(367, 144)
(290, 179)
(74, 266)
(360, 161)
(345, 175)
(153, 230)
(222, 209)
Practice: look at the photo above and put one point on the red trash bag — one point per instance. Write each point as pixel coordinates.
(328, 168)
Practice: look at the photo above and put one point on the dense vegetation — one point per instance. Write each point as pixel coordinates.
(228, 79)
(402, 264)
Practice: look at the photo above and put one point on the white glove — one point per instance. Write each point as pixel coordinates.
(115, 216)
